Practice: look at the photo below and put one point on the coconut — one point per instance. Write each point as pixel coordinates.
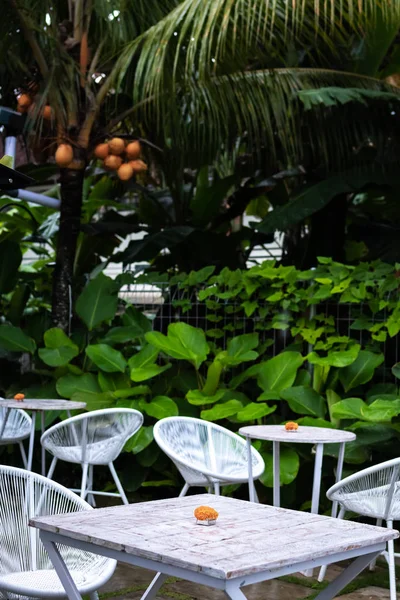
(133, 150)
(116, 145)
(112, 162)
(125, 172)
(101, 151)
(138, 166)
(24, 100)
(64, 155)
(47, 112)
(22, 109)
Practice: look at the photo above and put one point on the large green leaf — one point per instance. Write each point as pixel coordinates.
(340, 358)
(14, 339)
(289, 467)
(198, 398)
(305, 401)
(110, 382)
(122, 335)
(279, 372)
(222, 411)
(143, 364)
(355, 408)
(133, 317)
(159, 407)
(206, 202)
(140, 440)
(59, 350)
(106, 358)
(70, 384)
(240, 349)
(255, 410)
(183, 342)
(319, 195)
(10, 260)
(98, 302)
(361, 370)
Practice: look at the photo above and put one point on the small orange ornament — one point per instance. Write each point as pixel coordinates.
(291, 426)
(205, 515)
(19, 397)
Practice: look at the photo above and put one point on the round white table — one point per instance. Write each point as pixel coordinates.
(317, 436)
(35, 406)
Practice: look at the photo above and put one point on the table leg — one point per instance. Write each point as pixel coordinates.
(319, 453)
(339, 471)
(250, 469)
(155, 585)
(277, 473)
(4, 423)
(31, 441)
(60, 568)
(43, 448)
(346, 576)
(234, 593)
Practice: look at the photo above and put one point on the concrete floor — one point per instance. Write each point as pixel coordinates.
(130, 583)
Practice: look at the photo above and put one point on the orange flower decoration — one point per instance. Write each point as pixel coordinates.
(291, 426)
(205, 513)
(19, 397)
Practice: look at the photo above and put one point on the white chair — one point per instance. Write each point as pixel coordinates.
(25, 568)
(17, 429)
(206, 454)
(94, 438)
(375, 493)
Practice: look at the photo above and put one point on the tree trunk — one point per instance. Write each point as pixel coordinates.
(71, 181)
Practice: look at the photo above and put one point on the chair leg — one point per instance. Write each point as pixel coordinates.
(373, 564)
(323, 569)
(52, 468)
(217, 488)
(23, 454)
(118, 483)
(91, 498)
(85, 468)
(184, 490)
(392, 570)
(94, 596)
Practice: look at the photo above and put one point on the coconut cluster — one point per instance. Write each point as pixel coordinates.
(26, 102)
(121, 157)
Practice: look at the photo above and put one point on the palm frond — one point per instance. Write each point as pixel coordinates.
(266, 110)
(200, 38)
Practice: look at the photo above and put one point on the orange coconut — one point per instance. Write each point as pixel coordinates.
(133, 150)
(101, 151)
(64, 155)
(116, 145)
(125, 172)
(138, 166)
(112, 162)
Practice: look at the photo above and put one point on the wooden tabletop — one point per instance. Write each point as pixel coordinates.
(302, 435)
(41, 404)
(247, 538)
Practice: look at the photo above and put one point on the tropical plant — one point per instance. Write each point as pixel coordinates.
(228, 67)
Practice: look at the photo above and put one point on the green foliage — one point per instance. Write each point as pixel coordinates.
(230, 372)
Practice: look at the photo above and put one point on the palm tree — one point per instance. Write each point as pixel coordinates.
(200, 72)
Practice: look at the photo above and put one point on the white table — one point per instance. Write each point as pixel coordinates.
(35, 406)
(303, 435)
(250, 542)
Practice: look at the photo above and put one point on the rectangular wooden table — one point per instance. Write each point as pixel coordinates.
(249, 543)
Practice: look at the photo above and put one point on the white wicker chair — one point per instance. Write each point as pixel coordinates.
(94, 438)
(206, 454)
(17, 429)
(375, 493)
(25, 568)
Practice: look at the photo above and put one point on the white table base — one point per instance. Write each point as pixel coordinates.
(231, 587)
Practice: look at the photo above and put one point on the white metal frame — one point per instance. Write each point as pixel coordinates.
(4, 419)
(213, 479)
(86, 489)
(231, 587)
(387, 516)
(39, 493)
